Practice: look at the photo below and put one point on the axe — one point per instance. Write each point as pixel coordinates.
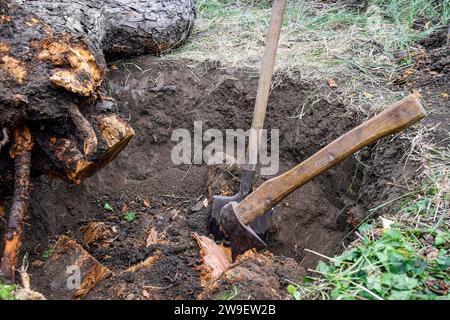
(236, 218)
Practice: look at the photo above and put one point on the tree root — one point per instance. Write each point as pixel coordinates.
(21, 152)
(85, 130)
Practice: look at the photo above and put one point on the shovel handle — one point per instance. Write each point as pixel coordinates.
(394, 119)
(265, 80)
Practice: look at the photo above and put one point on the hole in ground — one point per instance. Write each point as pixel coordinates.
(173, 94)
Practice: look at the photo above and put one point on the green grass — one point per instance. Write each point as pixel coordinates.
(108, 207)
(389, 264)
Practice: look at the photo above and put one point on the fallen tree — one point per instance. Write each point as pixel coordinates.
(52, 65)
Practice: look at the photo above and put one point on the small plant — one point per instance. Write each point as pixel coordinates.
(108, 207)
(6, 291)
(47, 253)
(130, 216)
(230, 294)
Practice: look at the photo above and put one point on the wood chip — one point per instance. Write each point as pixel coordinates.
(174, 213)
(152, 237)
(332, 83)
(98, 232)
(215, 259)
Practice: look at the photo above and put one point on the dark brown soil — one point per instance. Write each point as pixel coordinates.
(161, 95)
(431, 79)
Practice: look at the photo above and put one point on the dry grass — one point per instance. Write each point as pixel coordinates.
(319, 41)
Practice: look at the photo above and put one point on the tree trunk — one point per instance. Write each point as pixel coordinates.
(52, 63)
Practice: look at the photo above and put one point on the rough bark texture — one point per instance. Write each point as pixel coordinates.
(62, 45)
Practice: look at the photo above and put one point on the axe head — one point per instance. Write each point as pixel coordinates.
(242, 237)
(260, 225)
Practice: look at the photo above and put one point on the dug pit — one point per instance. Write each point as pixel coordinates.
(143, 193)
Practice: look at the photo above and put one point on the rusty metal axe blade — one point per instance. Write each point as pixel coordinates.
(242, 237)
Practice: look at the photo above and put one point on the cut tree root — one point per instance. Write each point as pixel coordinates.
(85, 130)
(21, 152)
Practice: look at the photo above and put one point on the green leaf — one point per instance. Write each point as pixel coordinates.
(6, 291)
(400, 295)
(398, 264)
(403, 282)
(291, 289)
(392, 237)
(418, 267)
(108, 207)
(130, 216)
(441, 239)
(419, 205)
(335, 293)
(364, 228)
(47, 253)
(307, 279)
(443, 260)
(324, 268)
(296, 295)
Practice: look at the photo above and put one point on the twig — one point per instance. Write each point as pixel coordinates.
(320, 255)
(21, 152)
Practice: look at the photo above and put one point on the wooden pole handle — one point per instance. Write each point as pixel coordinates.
(265, 80)
(399, 116)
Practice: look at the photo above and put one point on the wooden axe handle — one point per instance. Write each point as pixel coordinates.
(399, 116)
(265, 81)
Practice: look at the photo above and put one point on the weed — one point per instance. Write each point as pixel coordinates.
(6, 291)
(47, 253)
(130, 216)
(108, 207)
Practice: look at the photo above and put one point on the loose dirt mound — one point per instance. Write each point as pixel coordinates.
(159, 96)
